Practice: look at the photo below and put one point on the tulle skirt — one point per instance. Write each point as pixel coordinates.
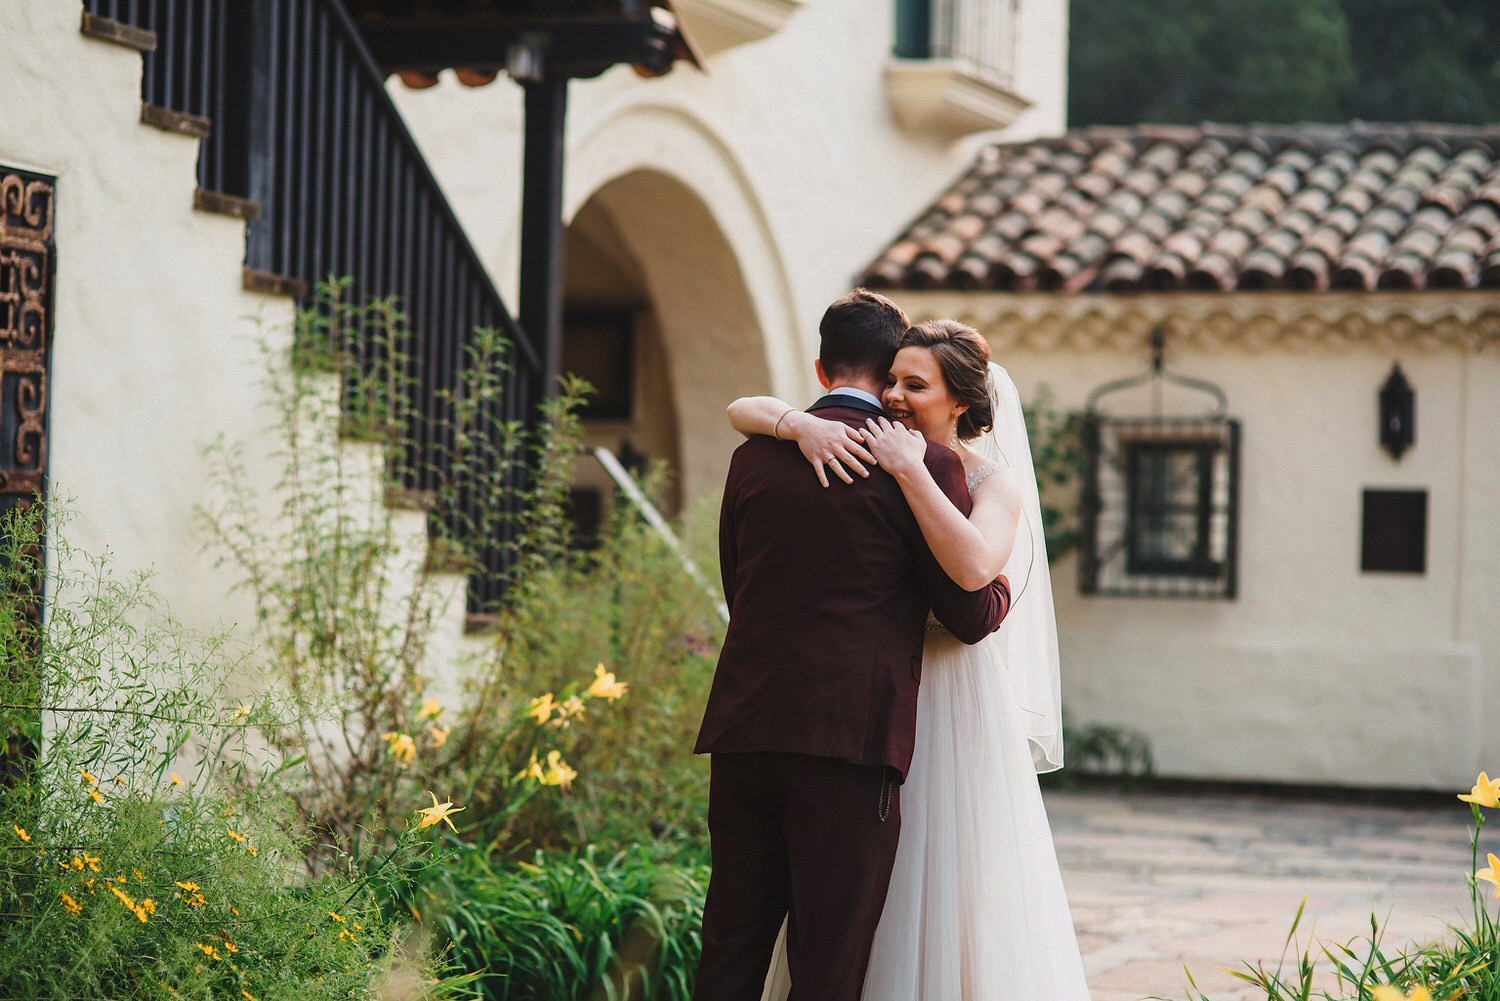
(976, 909)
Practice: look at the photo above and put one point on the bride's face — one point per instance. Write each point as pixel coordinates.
(916, 395)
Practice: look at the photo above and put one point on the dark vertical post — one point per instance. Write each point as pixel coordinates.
(541, 226)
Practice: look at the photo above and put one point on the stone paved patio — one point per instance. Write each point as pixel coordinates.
(1159, 881)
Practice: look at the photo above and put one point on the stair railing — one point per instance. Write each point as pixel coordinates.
(300, 138)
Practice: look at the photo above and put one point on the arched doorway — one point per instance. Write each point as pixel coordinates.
(658, 316)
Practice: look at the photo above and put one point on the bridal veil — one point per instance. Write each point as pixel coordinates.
(1027, 641)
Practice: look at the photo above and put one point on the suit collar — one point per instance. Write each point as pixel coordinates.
(848, 401)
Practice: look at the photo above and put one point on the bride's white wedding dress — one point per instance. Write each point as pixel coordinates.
(976, 909)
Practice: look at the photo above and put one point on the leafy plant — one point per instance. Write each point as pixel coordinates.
(347, 594)
(1057, 454)
(630, 605)
(569, 927)
(135, 858)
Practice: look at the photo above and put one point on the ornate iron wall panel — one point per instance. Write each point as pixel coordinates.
(27, 255)
(27, 258)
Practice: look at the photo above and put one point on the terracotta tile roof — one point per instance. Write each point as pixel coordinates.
(1215, 208)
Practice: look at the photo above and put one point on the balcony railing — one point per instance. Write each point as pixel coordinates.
(303, 141)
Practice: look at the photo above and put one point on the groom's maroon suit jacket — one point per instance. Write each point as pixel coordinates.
(828, 591)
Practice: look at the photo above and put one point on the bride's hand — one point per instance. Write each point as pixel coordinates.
(897, 450)
(828, 445)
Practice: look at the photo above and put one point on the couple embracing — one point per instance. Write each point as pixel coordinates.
(867, 842)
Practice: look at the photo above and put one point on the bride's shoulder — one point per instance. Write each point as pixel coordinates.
(991, 477)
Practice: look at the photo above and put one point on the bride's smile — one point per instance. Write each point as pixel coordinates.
(917, 396)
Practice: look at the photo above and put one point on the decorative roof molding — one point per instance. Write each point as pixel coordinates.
(947, 99)
(1208, 321)
(1215, 208)
(716, 25)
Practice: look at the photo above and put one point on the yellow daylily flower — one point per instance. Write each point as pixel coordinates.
(95, 795)
(401, 747)
(533, 770)
(1491, 874)
(567, 711)
(438, 812)
(175, 780)
(1389, 992)
(236, 835)
(140, 910)
(1486, 792)
(605, 686)
(73, 907)
(431, 709)
(87, 778)
(541, 707)
(439, 734)
(21, 832)
(559, 773)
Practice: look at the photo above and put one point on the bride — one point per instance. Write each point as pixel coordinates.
(976, 908)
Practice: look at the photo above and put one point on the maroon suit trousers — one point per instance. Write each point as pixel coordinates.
(823, 831)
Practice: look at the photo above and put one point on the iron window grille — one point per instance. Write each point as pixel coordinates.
(1160, 501)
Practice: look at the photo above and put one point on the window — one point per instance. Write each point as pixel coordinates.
(977, 33)
(599, 346)
(1393, 536)
(1159, 507)
(954, 66)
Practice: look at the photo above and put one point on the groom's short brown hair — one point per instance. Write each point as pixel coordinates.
(859, 335)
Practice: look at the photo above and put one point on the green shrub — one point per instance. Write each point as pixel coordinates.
(631, 607)
(136, 860)
(346, 605)
(569, 927)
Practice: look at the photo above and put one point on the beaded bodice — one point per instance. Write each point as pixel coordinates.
(979, 475)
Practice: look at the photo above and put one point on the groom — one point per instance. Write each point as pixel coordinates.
(812, 713)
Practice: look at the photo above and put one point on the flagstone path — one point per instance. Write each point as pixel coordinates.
(1162, 881)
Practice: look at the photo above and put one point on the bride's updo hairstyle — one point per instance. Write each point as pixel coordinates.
(963, 357)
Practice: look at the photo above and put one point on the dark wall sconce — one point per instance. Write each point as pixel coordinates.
(1398, 413)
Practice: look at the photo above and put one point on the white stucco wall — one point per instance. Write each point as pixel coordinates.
(1317, 672)
(152, 351)
(787, 141)
(157, 350)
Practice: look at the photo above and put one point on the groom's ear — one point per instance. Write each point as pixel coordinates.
(822, 375)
